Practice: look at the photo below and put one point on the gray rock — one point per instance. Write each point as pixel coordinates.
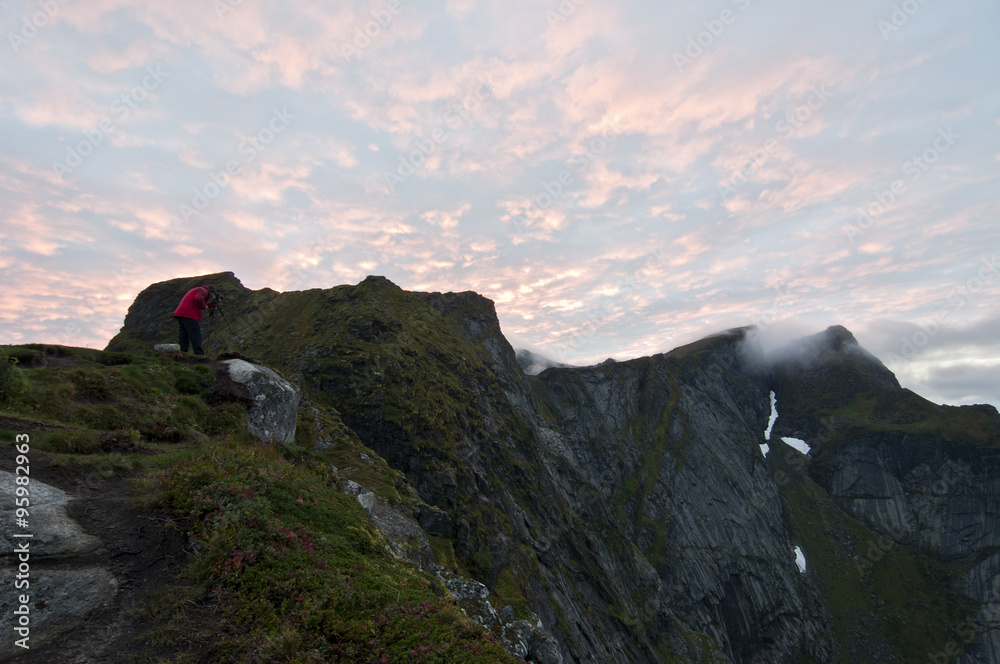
(709, 505)
(164, 348)
(272, 417)
(434, 520)
(941, 497)
(404, 534)
(53, 532)
(59, 601)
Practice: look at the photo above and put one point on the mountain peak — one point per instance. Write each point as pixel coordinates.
(834, 349)
(839, 336)
(377, 281)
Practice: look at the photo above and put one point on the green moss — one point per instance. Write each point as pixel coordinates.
(685, 643)
(509, 591)
(444, 553)
(482, 563)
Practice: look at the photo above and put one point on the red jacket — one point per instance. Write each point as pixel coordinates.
(193, 303)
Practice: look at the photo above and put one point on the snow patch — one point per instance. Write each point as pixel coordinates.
(764, 449)
(798, 444)
(800, 559)
(774, 416)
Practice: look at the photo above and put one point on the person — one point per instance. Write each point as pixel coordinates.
(188, 315)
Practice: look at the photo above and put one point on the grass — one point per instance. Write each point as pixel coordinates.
(296, 564)
(286, 567)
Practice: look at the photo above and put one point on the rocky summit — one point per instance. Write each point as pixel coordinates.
(637, 511)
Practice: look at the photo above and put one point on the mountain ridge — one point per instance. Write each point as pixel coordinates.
(627, 504)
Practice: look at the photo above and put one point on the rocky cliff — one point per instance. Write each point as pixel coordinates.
(628, 508)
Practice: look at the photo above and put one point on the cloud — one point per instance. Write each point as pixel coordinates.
(518, 98)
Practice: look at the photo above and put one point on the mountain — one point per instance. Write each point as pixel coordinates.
(533, 363)
(627, 507)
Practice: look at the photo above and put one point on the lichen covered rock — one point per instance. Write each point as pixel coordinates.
(275, 401)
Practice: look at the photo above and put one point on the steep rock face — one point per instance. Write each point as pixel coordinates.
(917, 473)
(671, 442)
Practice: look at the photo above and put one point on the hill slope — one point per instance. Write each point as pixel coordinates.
(212, 546)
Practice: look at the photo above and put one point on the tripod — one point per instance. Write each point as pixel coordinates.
(218, 307)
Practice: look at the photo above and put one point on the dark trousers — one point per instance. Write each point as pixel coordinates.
(190, 331)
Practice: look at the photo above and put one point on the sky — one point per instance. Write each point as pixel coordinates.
(620, 178)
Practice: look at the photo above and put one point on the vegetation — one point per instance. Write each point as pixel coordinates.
(408, 385)
(289, 568)
(11, 380)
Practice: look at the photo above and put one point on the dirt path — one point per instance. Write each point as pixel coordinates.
(137, 550)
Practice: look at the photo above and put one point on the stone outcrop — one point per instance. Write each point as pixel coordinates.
(167, 348)
(671, 442)
(274, 401)
(72, 590)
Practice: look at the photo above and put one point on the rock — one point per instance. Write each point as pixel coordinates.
(698, 526)
(166, 348)
(54, 532)
(59, 599)
(272, 417)
(924, 489)
(404, 534)
(542, 648)
(434, 520)
(473, 597)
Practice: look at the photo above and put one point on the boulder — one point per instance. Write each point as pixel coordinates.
(167, 348)
(60, 599)
(271, 418)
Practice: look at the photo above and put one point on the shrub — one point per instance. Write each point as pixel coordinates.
(71, 442)
(11, 379)
(301, 575)
(90, 385)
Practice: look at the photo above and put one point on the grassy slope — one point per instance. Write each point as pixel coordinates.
(290, 568)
